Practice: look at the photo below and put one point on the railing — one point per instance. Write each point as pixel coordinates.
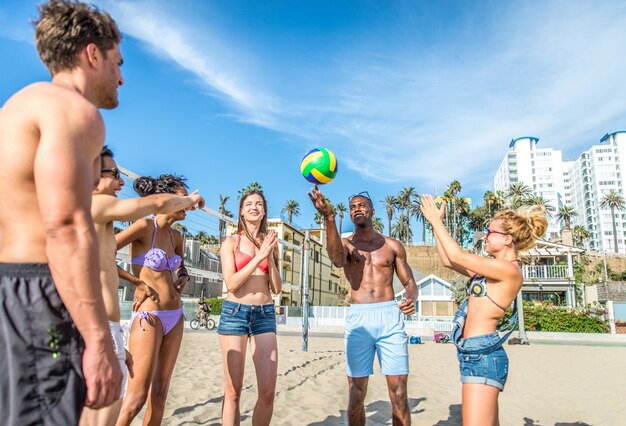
(335, 316)
(545, 272)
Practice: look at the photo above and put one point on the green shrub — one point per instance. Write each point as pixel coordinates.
(547, 317)
(215, 304)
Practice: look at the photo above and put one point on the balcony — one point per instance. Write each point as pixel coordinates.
(544, 272)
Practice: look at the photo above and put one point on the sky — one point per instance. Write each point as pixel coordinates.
(405, 93)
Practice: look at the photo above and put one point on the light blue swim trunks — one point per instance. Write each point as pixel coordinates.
(376, 328)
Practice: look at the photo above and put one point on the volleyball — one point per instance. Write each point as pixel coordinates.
(319, 166)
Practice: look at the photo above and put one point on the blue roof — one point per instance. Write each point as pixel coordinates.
(532, 138)
(608, 135)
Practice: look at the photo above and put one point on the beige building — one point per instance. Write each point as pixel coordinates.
(324, 283)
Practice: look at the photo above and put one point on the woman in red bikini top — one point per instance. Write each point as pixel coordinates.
(156, 327)
(249, 267)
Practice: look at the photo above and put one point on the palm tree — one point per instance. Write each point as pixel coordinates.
(490, 200)
(340, 208)
(519, 190)
(318, 218)
(615, 201)
(500, 197)
(378, 225)
(391, 203)
(415, 210)
(292, 208)
(405, 197)
(223, 210)
(580, 235)
(538, 200)
(566, 213)
(401, 229)
(252, 186)
(202, 237)
(182, 229)
(462, 210)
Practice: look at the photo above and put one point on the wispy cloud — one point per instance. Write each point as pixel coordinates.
(424, 114)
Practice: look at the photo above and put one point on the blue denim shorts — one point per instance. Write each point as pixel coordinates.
(247, 320)
(488, 369)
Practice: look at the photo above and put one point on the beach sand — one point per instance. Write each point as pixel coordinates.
(547, 385)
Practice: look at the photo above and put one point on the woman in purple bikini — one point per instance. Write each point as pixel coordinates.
(156, 326)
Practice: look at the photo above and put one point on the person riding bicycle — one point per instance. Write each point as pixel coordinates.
(203, 311)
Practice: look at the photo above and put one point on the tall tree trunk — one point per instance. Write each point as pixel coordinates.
(614, 229)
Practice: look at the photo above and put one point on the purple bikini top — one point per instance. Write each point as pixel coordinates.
(156, 258)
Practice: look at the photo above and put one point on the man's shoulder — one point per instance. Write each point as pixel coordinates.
(53, 93)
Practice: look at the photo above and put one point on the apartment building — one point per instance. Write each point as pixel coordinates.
(581, 184)
(541, 169)
(594, 174)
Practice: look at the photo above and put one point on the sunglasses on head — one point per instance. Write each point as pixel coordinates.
(363, 194)
(114, 171)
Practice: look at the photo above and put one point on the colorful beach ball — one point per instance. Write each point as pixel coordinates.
(319, 166)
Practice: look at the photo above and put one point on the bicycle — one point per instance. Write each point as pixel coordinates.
(197, 322)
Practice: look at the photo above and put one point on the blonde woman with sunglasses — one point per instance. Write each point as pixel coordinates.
(493, 286)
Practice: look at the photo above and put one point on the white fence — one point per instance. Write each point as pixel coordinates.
(320, 316)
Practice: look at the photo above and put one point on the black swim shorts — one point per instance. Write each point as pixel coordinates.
(41, 378)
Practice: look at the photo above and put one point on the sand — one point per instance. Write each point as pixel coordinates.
(547, 385)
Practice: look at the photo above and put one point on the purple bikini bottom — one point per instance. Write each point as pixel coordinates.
(168, 319)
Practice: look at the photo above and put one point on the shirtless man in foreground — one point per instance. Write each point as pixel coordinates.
(55, 345)
(105, 209)
(374, 323)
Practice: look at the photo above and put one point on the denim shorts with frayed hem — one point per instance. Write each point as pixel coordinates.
(247, 320)
(489, 369)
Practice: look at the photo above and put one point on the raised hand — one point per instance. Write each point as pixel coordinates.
(268, 245)
(429, 209)
(198, 200)
(320, 203)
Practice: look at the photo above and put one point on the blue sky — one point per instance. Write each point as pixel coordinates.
(404, 92)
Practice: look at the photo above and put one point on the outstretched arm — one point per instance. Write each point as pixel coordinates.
(334, 245)
(494, 269)
(106, 208)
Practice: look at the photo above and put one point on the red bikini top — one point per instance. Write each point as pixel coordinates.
(242, 259)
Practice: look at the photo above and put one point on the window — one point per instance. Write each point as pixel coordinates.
(437, 309)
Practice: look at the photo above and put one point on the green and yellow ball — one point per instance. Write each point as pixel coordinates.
(319, 166)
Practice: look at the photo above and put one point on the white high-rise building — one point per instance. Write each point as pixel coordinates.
(541, 169)
(593, 175)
